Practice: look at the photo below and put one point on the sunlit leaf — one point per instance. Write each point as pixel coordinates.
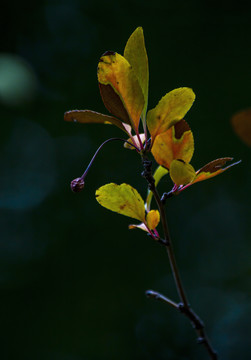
(153, 219)
(123, 199)
(88, 116)
(242, 125)
(158, 175)
(135, 53)
(136, 142)
(175, 143)
(213, 168)
(140, 226)
(171, 108)
(181, 173)
(115, 70)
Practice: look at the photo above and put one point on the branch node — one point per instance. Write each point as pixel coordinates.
(147, 173)
(166, 196)
(201, 340)
(181, 308)
(163, 242)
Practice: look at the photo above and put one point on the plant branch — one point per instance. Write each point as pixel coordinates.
(167, 240)
(183, 306)
(157, 296)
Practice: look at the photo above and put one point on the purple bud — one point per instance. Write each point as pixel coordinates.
(77, 184)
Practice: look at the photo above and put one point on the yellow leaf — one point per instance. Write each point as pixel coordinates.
(115, 70)
(181, 173)
(152, 219)
(158, 175)
(171, 108)
(123, 199)
(175, 143)
(213, 168)
(88, 116)
(135, 53)
(242, 125)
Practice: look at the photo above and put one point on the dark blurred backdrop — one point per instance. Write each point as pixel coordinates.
(72, 276)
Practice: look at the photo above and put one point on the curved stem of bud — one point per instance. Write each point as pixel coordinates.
(78, 184)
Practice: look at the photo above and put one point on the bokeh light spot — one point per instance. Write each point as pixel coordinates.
(18, 82)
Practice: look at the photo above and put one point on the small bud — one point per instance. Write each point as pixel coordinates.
(77, 184)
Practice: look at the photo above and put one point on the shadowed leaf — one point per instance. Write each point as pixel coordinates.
(241, 123)
(181, 173)
(88, 116)
(113, 103)
(175, 143)
(135, 53)
(115, 70)
(171, 109)
(123, 199)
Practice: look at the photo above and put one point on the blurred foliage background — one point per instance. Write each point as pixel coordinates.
(72, 276)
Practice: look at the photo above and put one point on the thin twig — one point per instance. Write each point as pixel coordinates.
(157, 296)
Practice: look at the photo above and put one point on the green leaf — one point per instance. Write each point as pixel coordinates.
(135, 53)
(171, 109)
(158, 175)
(123, 199)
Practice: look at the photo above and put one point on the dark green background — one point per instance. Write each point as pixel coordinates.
(72, 276)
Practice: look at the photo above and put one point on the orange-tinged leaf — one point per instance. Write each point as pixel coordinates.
(242, 125)
(115, 70)
(171, 109)
(181, 173)
(153, 219)
(158, 175)
(123, 199)
(88, 116)
(175, 143)
(135, 53)
(212, 169)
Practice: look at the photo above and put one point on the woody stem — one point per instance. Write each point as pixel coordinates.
(167, 240)
(183, 306)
